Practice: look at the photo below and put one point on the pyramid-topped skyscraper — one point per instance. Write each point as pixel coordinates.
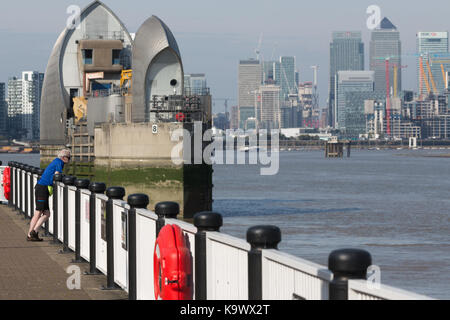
(385, 44)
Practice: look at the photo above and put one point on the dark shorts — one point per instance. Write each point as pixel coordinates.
(41, 195)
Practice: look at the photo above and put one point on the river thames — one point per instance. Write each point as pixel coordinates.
(393, 203)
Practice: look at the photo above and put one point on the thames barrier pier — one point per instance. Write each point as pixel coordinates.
(116, 101)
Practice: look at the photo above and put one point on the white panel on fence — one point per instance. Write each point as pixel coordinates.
(29, 211)
(22, 194)
(189, 231)
(33, 203)
(50, 220)
(84, 223)
(71, 215)
(120, 225)
(145, 244)
(286, 277)
(226, 267)
(60, 211)
(100, 231)
(2, 195)
(365, 290)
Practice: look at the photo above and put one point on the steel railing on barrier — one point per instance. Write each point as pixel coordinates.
(117, 238)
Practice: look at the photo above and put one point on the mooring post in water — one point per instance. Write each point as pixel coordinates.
(259, 237)
(346, 264)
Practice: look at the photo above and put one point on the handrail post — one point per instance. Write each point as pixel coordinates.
(346, 264)
(68, 181)
(204, 221)
(56, 178)
(95, 188)
(79, 184)
(259, 237)
(113, 193)
(25, 175)
(165, 210)
(135, 201)
(11, 184)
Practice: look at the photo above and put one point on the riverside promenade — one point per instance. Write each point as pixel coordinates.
(37, 271)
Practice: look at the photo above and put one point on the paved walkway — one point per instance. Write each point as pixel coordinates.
(36, 270)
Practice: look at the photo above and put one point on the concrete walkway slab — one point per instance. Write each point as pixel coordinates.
(36, 270)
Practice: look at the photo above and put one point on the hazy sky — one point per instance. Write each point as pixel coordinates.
(214, 35)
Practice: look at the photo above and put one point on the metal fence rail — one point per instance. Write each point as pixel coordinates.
(363, 290)
(286, 277)
(121, 243)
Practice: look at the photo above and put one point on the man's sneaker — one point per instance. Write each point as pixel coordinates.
(35, 236)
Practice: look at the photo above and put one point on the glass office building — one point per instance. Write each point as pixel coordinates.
(346, 53)
(347, 82)
(433, 47)
(385, 44)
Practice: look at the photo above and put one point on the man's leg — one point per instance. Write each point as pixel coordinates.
(44, 217)
(34, 220)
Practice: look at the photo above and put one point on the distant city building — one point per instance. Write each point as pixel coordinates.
(432, 46)
(24, 100)
(348, 82)
(385, 44)
(3, 110)
(267, 104)
(287, 77)
(249, 81)
(234, 118)
(220, 121)
(244, 114)
(195, 83)
(346, 53)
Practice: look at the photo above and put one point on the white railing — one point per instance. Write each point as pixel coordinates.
(100, 232)
(145, 245)
(286, 277)
(283, 276)
(226, 267)
(84, 224)
(120, 217)
(364, 290)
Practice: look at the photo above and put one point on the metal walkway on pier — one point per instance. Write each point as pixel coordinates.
(37, 271)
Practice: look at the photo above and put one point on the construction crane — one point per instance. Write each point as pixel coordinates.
(387, 66)
(225, 103)
(126, 78)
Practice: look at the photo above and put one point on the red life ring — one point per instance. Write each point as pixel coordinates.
(172, 267)
(6, 182)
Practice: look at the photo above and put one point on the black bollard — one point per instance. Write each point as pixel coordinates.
(165, 210)
(259, 237)
(135, 201)
(346, 264)
(95, 188)
(204, 221)
(68, 181)
(79, 184)
(113, 193)
(56, 179)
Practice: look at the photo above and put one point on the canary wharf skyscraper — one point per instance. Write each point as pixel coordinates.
(346, 54)
(433, 48)
(385, 44)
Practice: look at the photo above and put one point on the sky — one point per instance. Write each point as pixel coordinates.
(214, 35)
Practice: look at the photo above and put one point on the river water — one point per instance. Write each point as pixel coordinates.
(393, 203)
